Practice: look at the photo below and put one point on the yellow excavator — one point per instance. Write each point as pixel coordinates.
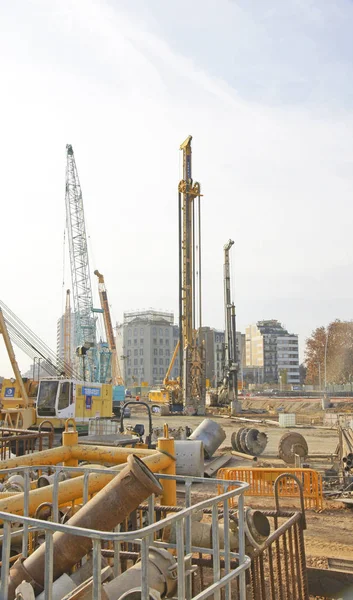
(169, 393)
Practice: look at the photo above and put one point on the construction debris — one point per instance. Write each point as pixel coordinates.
(212, 466)
(290, 445)
(249, 440)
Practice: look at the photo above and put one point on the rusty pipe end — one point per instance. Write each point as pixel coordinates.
(144, 474)
(19, 573)
(258, 524)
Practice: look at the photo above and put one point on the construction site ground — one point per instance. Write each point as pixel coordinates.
(328, 531)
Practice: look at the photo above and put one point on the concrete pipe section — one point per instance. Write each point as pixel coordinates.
(103, 512)
(211, 434)
(162, 577)
(189, 458)
(257, 530)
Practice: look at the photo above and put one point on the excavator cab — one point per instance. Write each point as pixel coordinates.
(55, 398)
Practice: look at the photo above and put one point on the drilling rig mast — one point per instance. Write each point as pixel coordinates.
(192, 352)
(230, 349)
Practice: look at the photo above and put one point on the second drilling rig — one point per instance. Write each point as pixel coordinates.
(191, 349)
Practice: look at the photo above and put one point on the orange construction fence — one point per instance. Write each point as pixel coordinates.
(261, 482)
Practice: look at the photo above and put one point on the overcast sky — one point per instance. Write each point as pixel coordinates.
(266, 90)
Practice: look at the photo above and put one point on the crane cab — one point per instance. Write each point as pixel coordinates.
(61, 399)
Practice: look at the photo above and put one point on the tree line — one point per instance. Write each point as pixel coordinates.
(336, 342)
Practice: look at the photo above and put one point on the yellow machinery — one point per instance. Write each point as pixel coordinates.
(169, 393)
(17, 408)
(116, 371)
(188, 391)
(57, 399)
(61, 399)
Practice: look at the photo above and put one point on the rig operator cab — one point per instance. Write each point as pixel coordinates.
(61, 399)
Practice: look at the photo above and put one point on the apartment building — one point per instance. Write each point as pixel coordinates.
(214, 343)
(271, 348)
(145, 343)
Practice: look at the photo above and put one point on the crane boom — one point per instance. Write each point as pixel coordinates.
(67, 335)
(85, 325)
(192, 352)
(103, 296)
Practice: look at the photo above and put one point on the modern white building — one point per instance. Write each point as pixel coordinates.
(272, 349)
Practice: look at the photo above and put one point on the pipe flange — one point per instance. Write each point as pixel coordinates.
(144, 475)
(19, 572)
(167, 566)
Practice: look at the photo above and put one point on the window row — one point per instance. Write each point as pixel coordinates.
(129, 331)
(136, 371)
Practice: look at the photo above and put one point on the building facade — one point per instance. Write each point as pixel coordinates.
(272, 349)
(60, 339)
(145, 345)
(214, 344)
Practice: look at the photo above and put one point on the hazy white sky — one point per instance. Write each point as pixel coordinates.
(266, 90)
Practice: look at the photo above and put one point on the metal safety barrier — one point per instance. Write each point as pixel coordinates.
(228, 567)
(261, 483)
(25, 441)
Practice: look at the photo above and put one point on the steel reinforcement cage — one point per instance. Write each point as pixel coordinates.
(234, 564)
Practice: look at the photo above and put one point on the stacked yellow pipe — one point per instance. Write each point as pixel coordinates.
(72, 489)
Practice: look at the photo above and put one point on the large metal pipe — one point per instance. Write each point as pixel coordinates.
(211, 434)
(103, 512)
(162, 576)
(72, 489)
(53, 456)
(108, 454)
